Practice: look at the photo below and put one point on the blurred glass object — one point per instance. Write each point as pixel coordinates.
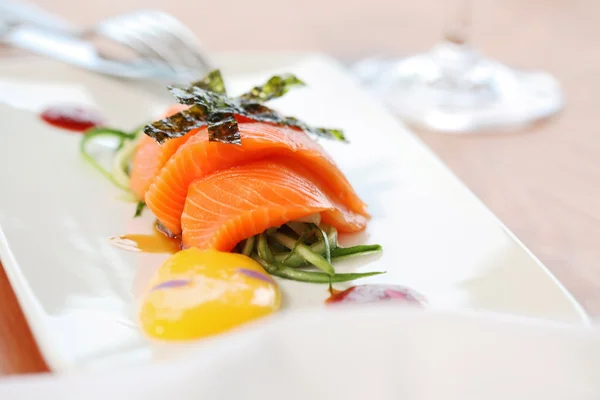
(454, 89)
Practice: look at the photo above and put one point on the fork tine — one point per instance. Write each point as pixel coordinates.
(175, 42)
(159, 37)
(186, 38)
(120, 30)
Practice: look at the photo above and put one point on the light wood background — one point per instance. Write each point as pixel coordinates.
(543, 181)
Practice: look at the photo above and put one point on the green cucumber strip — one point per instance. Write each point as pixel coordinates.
(249, 246)
(98, 132)
(325, 240)
(309, 276)
(347, 252)
(263, 249)
(313, 258)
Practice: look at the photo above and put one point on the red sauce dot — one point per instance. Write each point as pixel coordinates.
(73, 118)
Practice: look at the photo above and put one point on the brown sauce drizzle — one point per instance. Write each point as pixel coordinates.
(156, 242)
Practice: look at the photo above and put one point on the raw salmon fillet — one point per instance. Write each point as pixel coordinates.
(150, 156)
(148, 160)
(197, 157)
(228, 206)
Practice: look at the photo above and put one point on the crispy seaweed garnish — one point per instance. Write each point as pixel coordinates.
(178, 124)
(195, 117)
(261, 113)
(211, 107)
(212, 82)
(223, 128)
(275, 87)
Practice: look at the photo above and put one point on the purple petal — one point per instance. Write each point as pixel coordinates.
(254, 274)
(172, 284)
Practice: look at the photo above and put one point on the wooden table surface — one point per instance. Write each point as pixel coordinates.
(543, 181)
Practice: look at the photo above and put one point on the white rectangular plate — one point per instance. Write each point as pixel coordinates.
(78, 292)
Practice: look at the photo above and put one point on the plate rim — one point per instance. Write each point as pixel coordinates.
(26, 299)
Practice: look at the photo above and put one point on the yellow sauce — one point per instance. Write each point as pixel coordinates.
(199, 293)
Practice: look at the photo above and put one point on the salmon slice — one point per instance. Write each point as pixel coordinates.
(148, 160)
(150, 157)
(231, 205)
(198, 157)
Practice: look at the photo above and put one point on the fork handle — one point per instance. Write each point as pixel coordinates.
(69, 49)
(19, 11)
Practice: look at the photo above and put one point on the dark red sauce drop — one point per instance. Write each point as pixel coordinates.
(73, 118)
(362, 294)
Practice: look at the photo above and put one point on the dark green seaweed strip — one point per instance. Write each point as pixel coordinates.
(212, 82)
(259, 112)
(213, 102)
(186, 120)
(178, 124)
(210, 107)
(223, 128)
(275, 87)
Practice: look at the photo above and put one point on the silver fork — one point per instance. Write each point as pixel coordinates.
(167, 50)
(157, 37)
